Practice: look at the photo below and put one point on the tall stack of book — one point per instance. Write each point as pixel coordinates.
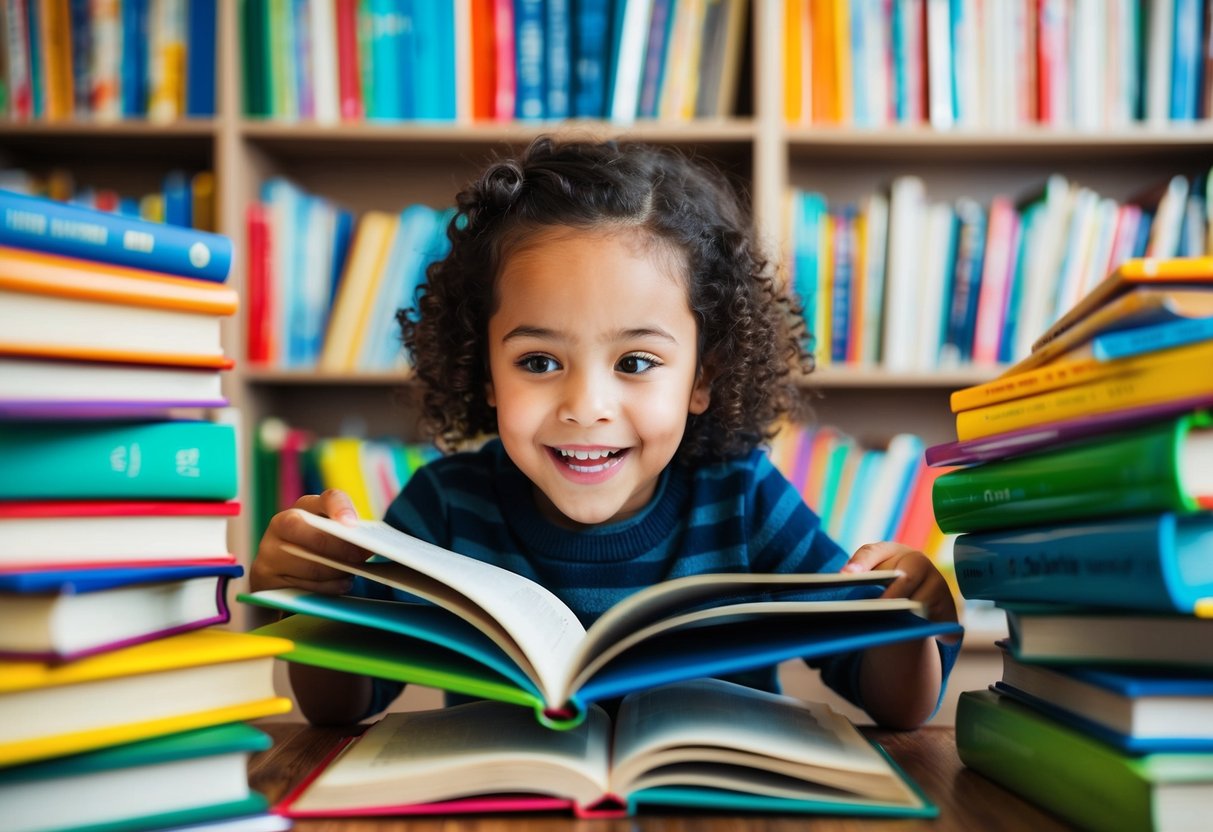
(114, 562)
(1085, 511)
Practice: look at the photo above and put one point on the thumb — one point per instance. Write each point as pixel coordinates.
(869, 557)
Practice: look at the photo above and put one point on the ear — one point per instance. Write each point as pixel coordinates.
(489, 395)
(701, 394)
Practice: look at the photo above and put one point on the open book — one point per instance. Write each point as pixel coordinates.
(488, 632)
(704, 743)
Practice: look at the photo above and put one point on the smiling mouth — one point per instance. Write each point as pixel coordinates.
(589, 461)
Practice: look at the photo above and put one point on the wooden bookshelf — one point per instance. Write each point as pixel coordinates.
(389, 166)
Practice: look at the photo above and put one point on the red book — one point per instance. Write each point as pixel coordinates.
(260, 331)
(503, 48)
(484, 60)
(349, 84)
(918, 519)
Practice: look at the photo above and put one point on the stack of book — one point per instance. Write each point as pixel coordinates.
(114, 564)
(1085, 512)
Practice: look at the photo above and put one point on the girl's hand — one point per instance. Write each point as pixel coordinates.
(919, 581)
(274, 567)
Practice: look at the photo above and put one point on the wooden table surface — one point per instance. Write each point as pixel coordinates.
(967, 801)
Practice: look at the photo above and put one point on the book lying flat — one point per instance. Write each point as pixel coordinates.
(701, 625)
(189, 777)
(69, 613)
(700, 744)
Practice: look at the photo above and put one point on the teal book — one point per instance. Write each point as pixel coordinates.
(1150, 562)
(488, 632)
(1087, 782)
(174, 460)
(199, 776)
(1146, 339)
(700, 744)
(1148, 469)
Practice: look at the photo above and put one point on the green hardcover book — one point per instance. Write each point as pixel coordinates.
(1086, 781)
(1161, 467)
(178, 779)
(176, 460)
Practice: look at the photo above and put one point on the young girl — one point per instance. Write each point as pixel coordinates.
(605, 312)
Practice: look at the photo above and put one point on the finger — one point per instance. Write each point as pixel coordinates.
(871, 555)
(291, 527)
(338, 505)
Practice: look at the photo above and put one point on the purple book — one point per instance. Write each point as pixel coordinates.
(1052, 434)
(56, 410)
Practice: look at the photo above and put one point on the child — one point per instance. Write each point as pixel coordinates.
(605, 312)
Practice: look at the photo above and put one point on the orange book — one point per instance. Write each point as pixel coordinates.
(844, 106)
(824, 88)
(56, 42)
(825, 439)
(795, 15)
(484, 60)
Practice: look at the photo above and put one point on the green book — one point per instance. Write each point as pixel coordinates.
(173, 780)
(175, 460)
(1150, 469)
(1086, 781)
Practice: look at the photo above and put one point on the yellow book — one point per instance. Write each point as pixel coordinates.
(341, 467)
(1062, 374)
(178, 683)
(1177, 379)
(359, 287)
(56, 42)
(795, 13)
(202, 198)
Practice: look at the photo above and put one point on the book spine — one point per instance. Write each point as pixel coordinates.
(59, 228)
(529, 59)
(158, 460)
(1133, 472)
(1130, 342)
(590, 57)
(1131, 563)
(200, 58)
(349, 87)
(1062, 770)
(1181, 379)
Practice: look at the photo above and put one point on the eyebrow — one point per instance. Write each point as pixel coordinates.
(635, 333)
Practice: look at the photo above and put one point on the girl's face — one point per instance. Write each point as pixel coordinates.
(593, 369)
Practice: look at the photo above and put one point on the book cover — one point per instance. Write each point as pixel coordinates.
(713, 738)
(1137, 562)
(192, 680)
(1075, 776)
(432, 68)
(74, 231)
(1148, 340)
(29, 384)
(200, 23)
(199, 776)
(359, 285)
(185, 460)
(1148, 469)
(654, 636)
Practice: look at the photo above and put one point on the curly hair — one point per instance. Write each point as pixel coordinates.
(752, 336)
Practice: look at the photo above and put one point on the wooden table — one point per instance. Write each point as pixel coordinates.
(967, 801)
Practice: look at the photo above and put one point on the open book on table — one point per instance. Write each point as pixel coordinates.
(487, 632)
(706, 743)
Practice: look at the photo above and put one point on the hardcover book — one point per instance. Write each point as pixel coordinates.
(1152, 562)
(489, 632)
(1083, 780)
(1154, 468)
(703, 744)
(69, 613)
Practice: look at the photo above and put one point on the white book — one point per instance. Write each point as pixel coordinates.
(940, 101)
(322, 17)
(907, 209)
(936, 261)
(629, 60)
(1044, 251)
(876, 215)
(1160, 26)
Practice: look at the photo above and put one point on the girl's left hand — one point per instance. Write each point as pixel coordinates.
(919, 580)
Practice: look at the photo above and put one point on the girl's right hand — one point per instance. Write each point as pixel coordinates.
(274, 567)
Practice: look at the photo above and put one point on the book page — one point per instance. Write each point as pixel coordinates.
(708, 728)
(539, 624)
(481, 748)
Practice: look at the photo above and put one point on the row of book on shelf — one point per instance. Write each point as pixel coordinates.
(63, 59)
(964, 65)
(1080, 496)
(492, 60)
(115, 671)
(914, 284)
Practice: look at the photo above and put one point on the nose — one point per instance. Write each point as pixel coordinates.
(587, 397)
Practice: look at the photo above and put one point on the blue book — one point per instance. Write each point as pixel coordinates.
(83, 581)
(966, 279)
(1154, 562)
(388, 51)
(558, 58)
(661, 24)
(134, 57)
(36, 77)
(81, 34)
(591, 57)
(1186, 59)
(529, 60)
(809, 218)
(200, 58)
(433, 71)
(842, 286)
(178, 200)
(1128, 342)
(343, 234)
(57, 228)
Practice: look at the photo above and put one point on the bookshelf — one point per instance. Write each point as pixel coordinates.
(387, 166)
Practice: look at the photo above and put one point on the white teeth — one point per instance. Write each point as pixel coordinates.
(584, 455)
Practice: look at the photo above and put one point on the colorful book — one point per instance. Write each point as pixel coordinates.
(1136, 709)
(69, 613)
(1081, 779)
(199, 776)
(528, 645)
(193, 680)
(63, 307)
(703, 744)
(1068, 635)
(1151, 339)
(1147, 469)
(75, 231)
(1139, 562)
(1180, 377)
(64, 533)
(1177, 271)
(172, 460)
(359, 285)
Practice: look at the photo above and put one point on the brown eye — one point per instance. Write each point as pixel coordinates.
(636, 364)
